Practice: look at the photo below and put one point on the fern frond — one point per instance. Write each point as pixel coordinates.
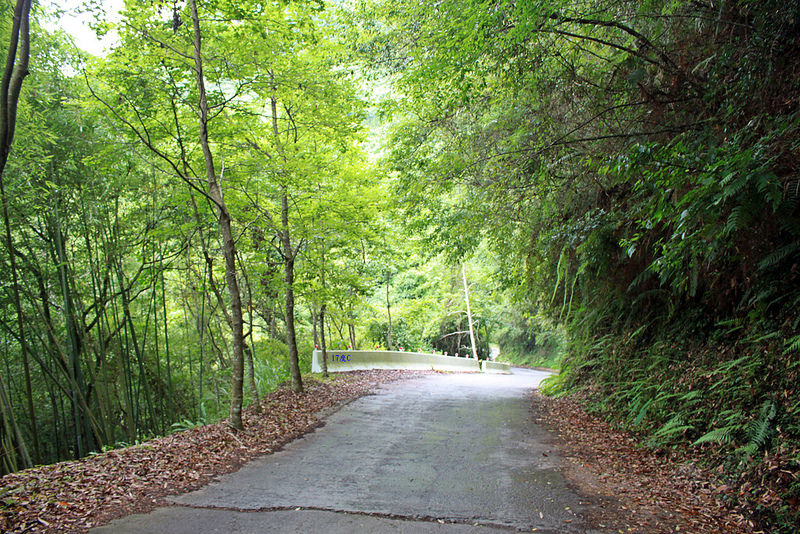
(733, 183)
(762, 296)
(588, 363)
(726, 367)
(779, 255)
(723, 436)
(642, 413)
(760, 429)
(764, 337)
(737, 220)
(691, 398)
(793, 190)
(647, 294)
(674, 426)
(793, 344)
(636, 333)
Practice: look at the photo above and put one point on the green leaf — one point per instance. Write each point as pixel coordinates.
(722, 436)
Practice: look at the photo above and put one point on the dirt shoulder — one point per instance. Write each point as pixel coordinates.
(75, 496)
(637, 490)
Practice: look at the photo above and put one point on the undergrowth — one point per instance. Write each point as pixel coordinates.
(737, 404)
(548, 357)
(535, 341)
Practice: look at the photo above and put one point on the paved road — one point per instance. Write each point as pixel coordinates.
(445, 453)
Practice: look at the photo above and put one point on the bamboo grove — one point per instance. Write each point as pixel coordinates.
(170, 211)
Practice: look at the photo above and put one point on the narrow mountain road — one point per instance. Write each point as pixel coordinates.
(442, 453)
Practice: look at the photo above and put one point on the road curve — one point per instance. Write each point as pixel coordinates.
(441, 453)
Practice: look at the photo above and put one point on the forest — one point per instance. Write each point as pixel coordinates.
(186, 216)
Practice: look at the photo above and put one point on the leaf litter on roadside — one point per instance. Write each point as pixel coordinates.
(78, 495)
(638, 490)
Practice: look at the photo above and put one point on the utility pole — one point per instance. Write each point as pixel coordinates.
(469, 312)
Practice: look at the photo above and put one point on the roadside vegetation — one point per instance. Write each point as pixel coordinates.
(233, 183)
(173, 246)
(633, 167)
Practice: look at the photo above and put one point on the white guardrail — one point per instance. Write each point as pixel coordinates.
(356, 360)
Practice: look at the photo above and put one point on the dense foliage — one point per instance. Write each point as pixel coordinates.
(164, 225)
(614, 182)
(127, 322)
(633, 165)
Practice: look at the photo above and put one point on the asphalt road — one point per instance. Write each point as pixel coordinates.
(440, 454)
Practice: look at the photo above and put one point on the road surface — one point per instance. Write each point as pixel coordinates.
(445, 453)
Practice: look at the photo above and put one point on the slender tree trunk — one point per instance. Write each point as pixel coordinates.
(201, 332)
(352, 330)
(250, 347)
(51, 346)
(55, 446)
(16, 69)
(76, 376)
(131, 409)
(156, 353)
(98, 296)
(324, 345)
(12, 433)
(273, 320)
(228, 242)
(138, 352)
(322, 310)
(288, 263)
(24, 349)
(314, 323)
(469, 313)
(389, 314)
(170, 390)
(338, 328)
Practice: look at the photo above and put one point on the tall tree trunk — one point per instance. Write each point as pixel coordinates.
(76, 376)
(170, 389)
(288, 254)
(389, 314)
(200, 325)
(352, 330)
(324, 345)
(13, 435)
(111, 245)
(16, 69)
(314, 322)
(228, 242)
(138, 351)
(338, 328)
(288, 266)
(98, 296)
(469, 313)
(322, 310)
(250, 347)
